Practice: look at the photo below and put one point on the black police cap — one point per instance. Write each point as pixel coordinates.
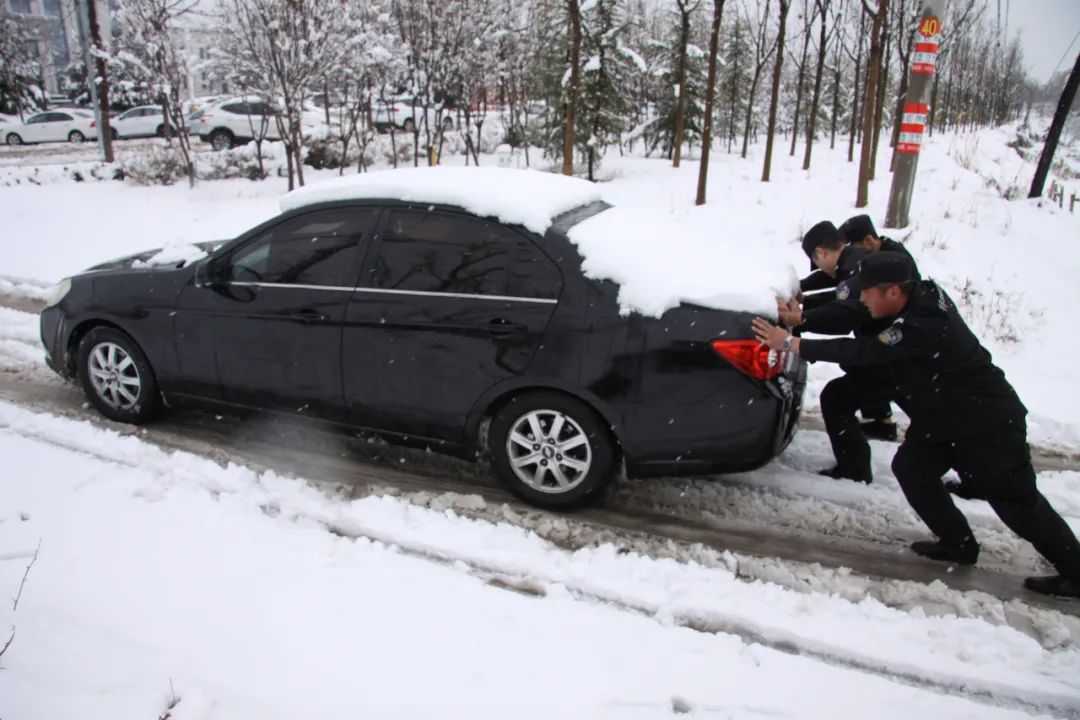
(816, 236)
(884, 268)
(856, 228)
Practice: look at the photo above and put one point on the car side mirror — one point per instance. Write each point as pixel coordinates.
(209, 273)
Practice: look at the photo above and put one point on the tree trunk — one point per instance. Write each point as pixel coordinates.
(854, 125)
(785, 5)
(733, 99)
(835, 101)
(879, 105)
(680, 113)
(799, 89)
(750, 110)
(1060, 116)
(862, 194)
(901, 98)
(101, 71)
(811, 122)
(574, 9)
(710, 93)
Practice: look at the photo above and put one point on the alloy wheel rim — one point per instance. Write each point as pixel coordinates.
(549, 451)
(114, 376)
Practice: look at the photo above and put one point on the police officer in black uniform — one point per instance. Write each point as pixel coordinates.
(964, 416)
(859, 231)
(838, 313)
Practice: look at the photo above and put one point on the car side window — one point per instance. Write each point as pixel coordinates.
(431, 251)
(35, 119)
(319, 248)
(60, 117)
(235, 108)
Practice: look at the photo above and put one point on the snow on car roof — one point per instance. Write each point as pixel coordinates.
(658, 260)
(517, 197)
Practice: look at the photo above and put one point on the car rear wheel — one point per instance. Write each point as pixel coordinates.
(76, 137)
(14, 139)
(116, 376)
(115, 135)
(221, 140)
(551, 450)
(409, 125)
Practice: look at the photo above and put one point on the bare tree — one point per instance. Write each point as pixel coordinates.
(822, 8)
(573, 7)
(686, 11)
(785, 6)
(877, 15)
(710, 93)
(285, 49)
(100, 80)
(763, 50)
(854, 127)
(151, 42)
(808, 26)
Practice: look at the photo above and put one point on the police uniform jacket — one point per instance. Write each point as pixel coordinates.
(947, 383)
(839, 312)
(890, 245)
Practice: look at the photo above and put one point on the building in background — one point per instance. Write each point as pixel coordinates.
(54, 27)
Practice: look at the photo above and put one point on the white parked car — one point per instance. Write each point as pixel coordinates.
(239, 120)
(51, 126)
(142, 121)
(406, 113)
(234, 121)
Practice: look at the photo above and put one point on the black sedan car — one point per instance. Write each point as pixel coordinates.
(435, 326)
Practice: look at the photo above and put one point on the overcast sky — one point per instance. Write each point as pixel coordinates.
(1046, 28)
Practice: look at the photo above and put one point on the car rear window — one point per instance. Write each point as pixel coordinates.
(443, 252)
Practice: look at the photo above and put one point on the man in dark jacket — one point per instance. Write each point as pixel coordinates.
(859, 231)
(964, 416)
(839, 313)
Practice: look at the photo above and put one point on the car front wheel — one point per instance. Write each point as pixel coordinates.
(76, 137)
(116, 376)
(551, 450)
(14, 139)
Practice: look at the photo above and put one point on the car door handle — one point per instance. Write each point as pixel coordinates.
(500, 327)
(309, 316)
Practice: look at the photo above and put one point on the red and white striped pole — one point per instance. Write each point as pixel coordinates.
(916, 109)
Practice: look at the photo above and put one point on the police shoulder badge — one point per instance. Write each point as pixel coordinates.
(891, 335)
(843, 292)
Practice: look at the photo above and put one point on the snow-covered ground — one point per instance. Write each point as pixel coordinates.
(251, 595)
(165, 575)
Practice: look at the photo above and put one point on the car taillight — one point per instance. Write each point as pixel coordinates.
(756, 360)
(93, 123)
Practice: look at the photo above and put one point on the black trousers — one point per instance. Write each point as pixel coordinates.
(839, 400)
(998, 466)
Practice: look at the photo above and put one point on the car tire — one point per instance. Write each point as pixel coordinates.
(221, 140)
(409, 125)
(14, 139)
(115, 135)
(116, 376)
(76, 137)
(551, 450)
(448, 123)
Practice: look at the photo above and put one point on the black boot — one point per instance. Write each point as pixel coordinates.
(1054, 585)
(879, 430)
(961, 552)
(839, 473)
